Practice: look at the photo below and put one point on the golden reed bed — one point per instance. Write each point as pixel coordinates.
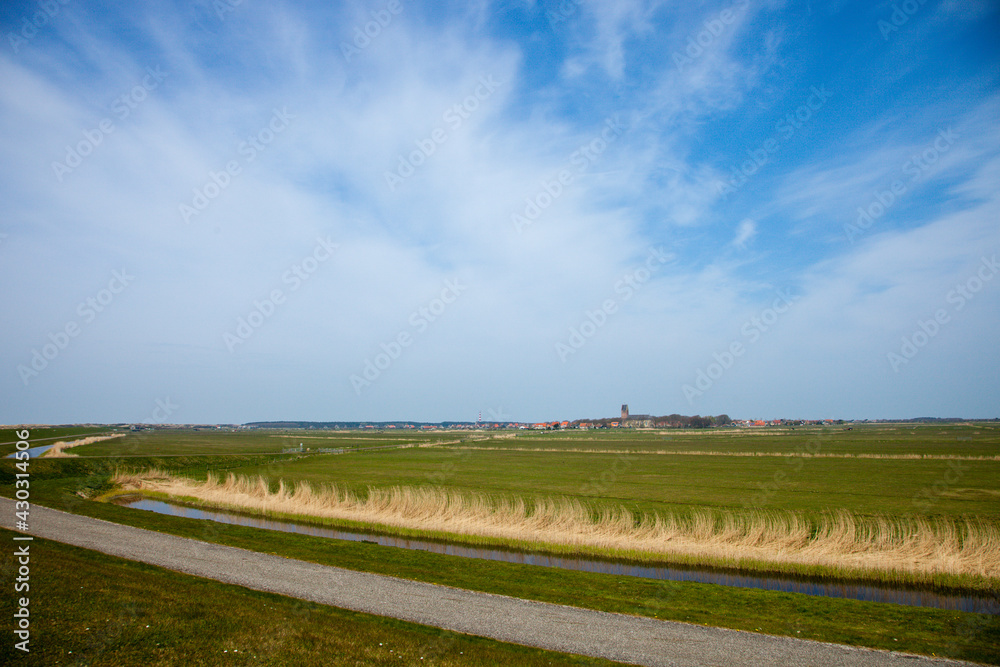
(58, 450)
(912, 545)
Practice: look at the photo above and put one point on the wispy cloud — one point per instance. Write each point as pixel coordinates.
(746, 230)
(416, 152)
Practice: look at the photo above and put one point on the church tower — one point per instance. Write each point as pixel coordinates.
(625, 412)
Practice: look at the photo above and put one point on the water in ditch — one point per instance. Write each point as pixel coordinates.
(34, 452)
(916, 598)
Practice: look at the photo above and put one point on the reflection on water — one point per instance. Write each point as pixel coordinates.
(34, 452)
(789, 585)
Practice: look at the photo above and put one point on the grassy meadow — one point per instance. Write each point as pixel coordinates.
(47, 435)
(971, 439)
(889, 483)
(885, 503)
(224, 442)
(673, 481)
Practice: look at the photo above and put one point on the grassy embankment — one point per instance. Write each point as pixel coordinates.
(91, 609)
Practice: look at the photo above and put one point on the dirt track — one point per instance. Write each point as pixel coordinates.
(619, 637)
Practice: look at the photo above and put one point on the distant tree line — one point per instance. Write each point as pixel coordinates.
(696, 421)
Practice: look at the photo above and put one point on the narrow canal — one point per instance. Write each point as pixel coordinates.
(916, 598)
(35, 452)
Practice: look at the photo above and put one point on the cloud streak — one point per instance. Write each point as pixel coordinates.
(471, 143)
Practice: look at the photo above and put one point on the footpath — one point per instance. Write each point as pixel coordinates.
(630, 639)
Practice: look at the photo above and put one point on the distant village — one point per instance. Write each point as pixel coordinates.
(624, 420)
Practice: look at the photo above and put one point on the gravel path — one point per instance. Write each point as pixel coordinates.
(619, 637)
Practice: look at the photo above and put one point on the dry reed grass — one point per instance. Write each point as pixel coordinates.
(58, 450)
(912, 545)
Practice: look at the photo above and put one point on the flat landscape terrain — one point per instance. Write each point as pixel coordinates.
(936, 483)
(206, 442)
(862, 503)
(706, 471)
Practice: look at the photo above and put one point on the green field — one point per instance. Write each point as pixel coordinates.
(45, 435)
(715, 474)
(824, 468)
(658, 481)
(938, 472)
(222, 442)
(972, 439)
(947, 475)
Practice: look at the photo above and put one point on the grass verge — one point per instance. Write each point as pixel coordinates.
(926, 631)
(88, 608)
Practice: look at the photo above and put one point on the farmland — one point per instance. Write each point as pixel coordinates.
(176, 442)
(727, 498)
(898, 475)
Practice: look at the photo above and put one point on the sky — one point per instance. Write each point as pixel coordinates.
(224, 211)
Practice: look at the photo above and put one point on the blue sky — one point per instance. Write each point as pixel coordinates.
(535, 210)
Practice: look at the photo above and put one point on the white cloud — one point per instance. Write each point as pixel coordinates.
(324, 175)
(746, 230)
